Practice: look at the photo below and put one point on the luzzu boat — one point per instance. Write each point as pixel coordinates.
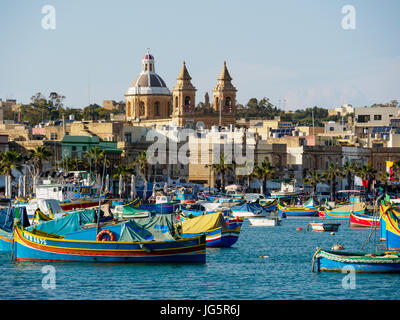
(364, 220)
(145, 240)
(392, 226)
(218, 232)
(304, 210)
(337, 261)
(343, 212)
(269, 206)
(387, 261)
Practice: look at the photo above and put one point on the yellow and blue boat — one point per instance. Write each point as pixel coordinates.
(76, 238)
(308, 209)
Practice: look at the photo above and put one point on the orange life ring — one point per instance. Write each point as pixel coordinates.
(188, 201)
(104, 232)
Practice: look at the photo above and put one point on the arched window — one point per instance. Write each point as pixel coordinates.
(157, 108)
(187, 101)
(145, 67)
(228, 102)
(141, 108)
(151, 67)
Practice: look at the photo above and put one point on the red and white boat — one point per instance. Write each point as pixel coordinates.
(364, 220)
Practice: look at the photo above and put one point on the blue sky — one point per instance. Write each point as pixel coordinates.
(293, 50)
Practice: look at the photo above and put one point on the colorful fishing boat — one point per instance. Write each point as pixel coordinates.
(7, 217)
(218, 232)
(269, 206)
(343, 212)
(300, 211)
(392, 226)
(139, 240)
(364, 220)
(337, 261)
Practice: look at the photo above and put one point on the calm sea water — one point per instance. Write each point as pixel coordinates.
(235, 273)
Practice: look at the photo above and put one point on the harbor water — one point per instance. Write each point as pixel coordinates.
(266, 263)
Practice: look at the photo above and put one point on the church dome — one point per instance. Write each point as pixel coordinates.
(148, 81)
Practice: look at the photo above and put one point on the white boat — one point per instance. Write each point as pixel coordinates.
(265, 222)
(287, 190)
(323, 226)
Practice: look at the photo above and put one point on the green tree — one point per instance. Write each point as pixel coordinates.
(349, 169)
(222, 168)
(265, 171)
(8, 161)
(37, 156)
(313, 177)
(96, 155)
(367, 172)
(141, 160)
(333, 172)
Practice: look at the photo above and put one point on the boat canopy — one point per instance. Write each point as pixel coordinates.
(8, 215)
(248, 207)
(69, 223)
(204, 223)
(157, 228)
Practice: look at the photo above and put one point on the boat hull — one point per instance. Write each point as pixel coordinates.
(358, 220)
(5, 241)
(329, 261)
(324, 226)
(265, 222)
(344, 212)
(219, 239)
(297, 212)
(31, 247)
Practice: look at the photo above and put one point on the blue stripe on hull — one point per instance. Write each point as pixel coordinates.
(325, 264)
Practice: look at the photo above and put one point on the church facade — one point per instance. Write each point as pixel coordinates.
(150, 102)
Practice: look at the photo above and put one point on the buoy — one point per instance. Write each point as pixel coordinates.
(332, 233)
(299, 229)
(337, 246)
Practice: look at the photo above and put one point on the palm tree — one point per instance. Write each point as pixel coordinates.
(123, 171)
(312, 178)
(265, 171)
(8, 161)
(143, 164)
(333, 172)
(97, 154)
(349, 169)
(384, 178)
(222, 168)
(37, 156)
(367, 172)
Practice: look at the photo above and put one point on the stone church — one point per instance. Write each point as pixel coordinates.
(150, 102)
